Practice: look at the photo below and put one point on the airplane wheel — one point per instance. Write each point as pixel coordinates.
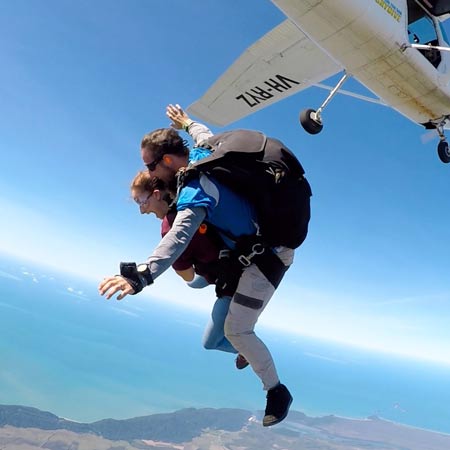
(312, 126)
(444, 152)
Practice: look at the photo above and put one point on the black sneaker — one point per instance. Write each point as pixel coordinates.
(278, 401)
(241, 362)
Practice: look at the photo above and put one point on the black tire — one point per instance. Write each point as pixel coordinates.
(444, 152)
(308, 123)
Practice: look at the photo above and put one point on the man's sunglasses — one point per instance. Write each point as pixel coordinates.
(152, 166)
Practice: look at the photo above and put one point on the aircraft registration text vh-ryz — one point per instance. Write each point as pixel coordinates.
(257, 94)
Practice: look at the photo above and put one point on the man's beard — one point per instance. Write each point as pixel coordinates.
(168, 176)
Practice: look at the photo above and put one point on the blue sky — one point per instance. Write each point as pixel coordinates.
(81, 82)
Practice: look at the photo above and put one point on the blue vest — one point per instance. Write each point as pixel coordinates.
(224, 209)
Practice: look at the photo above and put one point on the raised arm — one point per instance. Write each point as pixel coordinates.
(181, 121)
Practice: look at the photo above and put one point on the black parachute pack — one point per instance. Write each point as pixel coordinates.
(268, 174)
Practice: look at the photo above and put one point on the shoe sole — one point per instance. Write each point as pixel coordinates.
(242, 367)
(279, 419)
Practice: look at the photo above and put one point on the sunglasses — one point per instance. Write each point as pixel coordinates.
(152, 166)
(142, 203)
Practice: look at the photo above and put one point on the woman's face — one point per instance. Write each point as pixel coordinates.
(150, 203)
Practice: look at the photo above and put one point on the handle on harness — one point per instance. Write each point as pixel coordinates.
(257, 249)
(264, 257)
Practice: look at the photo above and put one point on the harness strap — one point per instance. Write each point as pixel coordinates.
(271, 266)
(252, 250)
(234, 262)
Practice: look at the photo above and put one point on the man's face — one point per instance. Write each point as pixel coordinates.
(157, 167)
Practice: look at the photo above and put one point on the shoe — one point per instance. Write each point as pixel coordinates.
(278, 401)
(241, 362)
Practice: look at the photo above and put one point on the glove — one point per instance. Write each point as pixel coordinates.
(137, 277)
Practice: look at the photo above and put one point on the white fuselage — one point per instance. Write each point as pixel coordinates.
(369, 39)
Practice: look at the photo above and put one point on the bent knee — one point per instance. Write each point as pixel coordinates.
(234, 330)
(209, 344)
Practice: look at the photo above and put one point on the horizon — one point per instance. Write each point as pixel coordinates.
(200, 303)
(252, 415)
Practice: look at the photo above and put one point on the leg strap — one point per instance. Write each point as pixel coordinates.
(271, 266)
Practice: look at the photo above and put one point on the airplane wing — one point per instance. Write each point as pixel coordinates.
(281, 63)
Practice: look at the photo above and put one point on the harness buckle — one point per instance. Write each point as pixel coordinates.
(244, 260)
(257, 249)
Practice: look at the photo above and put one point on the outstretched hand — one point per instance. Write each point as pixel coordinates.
(178, 117)
(111, 285)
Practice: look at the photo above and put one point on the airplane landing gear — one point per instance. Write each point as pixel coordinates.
(443, 149)
(310, 119)
(444, 152)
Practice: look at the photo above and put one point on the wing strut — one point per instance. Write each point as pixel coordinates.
(427, 47)
(331, 95)
(377, 101)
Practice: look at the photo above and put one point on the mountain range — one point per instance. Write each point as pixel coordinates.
(26, 428)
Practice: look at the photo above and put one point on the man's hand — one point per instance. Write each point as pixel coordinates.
(180, 120)
(111, 285)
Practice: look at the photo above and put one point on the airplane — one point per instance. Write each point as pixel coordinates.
(398, 49)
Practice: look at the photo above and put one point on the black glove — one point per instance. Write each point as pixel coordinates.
(137, 276)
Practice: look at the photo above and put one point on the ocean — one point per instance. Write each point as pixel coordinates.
(66, 350)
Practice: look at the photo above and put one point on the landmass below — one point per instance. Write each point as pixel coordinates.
(25, 428)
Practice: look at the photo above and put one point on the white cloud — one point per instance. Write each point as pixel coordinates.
(77, 293)
(325, 358)
(124, 311)
(9, 276)
(190, 323)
